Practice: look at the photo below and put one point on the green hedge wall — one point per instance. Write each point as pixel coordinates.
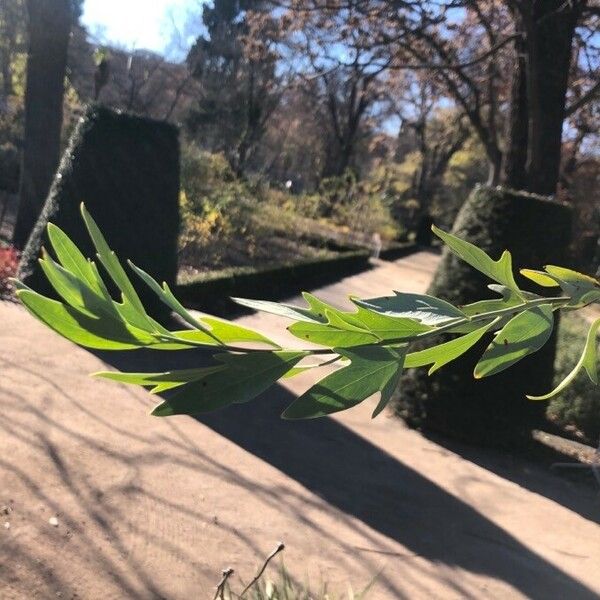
(126, 170)
(211, 292)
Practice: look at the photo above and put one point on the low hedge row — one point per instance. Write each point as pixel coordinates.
(398, 250)
(211, 292)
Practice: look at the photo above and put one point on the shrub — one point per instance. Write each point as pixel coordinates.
(9, 263)
(231, 222)
(127, 169)
(489, 411)
(579, 405)
(358, 205)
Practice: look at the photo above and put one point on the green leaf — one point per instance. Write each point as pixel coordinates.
(76, 292)
(500, 270)
(386, 327)
(582, 289)
(511, 296)
(574, 277)
(245, 377)
(524, 334)
(160, 381)
(539, 277)
(587, 361)
(338, 333)
(372, 369)
(320, 310)
(228, 332)
(111, 263)
(99, 334)
(72, 259)
(288, 311)
(426, 309)
(484, 306)
(166, 296)
(442, 354)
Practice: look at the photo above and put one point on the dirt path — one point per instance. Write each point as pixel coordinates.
(155, 508)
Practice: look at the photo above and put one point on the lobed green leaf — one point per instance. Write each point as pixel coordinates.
(426, 309)
(524, 334)
(587, 361)
(245, 377)
(500, 270)
(442, 354)
(372, 369)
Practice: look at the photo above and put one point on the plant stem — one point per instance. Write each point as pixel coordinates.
(280, 548)
(459, 321)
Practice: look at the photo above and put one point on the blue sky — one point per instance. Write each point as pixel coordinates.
(146, 24)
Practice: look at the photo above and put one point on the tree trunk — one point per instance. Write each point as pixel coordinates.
(514, 172)
(549, 53)
(49, 28)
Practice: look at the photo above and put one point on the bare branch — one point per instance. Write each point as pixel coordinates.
(280, 548)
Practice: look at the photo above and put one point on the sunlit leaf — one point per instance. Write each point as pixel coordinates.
(587, 361)
(524, 334)
(165, 295)
(99, 334)
(288, 311)
(245, 377)
(72, 259)
(228, 332)
(341, 334)
(571, 276)
(161, 381)
(372, 369)
(74, 291)
(539, 277)
(500, 270)
(386, 327)
(581, 288)
(110, 261)
(427, 309)
(442, 354)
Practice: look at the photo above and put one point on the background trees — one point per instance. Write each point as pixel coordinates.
(235, 65)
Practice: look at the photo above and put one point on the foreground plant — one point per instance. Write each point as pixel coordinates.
(370, 346)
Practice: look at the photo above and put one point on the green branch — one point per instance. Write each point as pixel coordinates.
(371, 344)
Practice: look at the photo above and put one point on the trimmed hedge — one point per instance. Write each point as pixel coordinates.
(492, 411)
(211, 292)
(398, 250)
(126, 170)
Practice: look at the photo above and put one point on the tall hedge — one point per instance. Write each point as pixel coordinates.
(126, 170)
(492, 411)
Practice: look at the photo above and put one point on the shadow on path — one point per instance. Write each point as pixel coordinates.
(362, 480)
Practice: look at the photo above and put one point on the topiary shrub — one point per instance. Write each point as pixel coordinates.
(489, 411)
(126, 169)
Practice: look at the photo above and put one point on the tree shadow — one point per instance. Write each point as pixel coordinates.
(362, 480)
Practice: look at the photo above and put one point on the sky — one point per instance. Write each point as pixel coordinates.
(140, 24)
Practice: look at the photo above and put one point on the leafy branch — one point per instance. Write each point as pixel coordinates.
(370, 345)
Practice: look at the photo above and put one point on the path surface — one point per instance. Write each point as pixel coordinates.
(155, 508)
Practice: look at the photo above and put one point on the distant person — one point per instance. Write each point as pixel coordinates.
(424, 235)
(376, 244)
